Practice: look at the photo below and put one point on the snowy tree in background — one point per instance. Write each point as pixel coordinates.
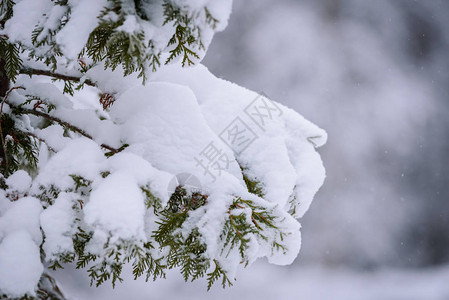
(112, 153)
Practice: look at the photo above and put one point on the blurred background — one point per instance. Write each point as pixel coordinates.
(375, 76)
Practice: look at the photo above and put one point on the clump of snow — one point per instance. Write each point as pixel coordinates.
(142, 173)
(22, 214)
(20, 264)
(130, 25)
(45, 91)
(81, 156)
(83, 20)
(19, 181)
(27, 14)
(117, 206)
(54, 137)
(221, 10)
(111, 81)
(57, 223)
(289, 168)
(155, 112)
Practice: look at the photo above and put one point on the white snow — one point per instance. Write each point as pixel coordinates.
(55, 17)
(5, 203)
(169, 114)
(130, 25)
(83, 20)
(20, 264)
(19, 181)
(117, 207)
(45, 91)
(109, 81)
(81, 157)
(284, 136)
(22, 214)
(220, 10)
(71, 27)
(27, 13)
(57, 222)
(142, 173)
(53, 135)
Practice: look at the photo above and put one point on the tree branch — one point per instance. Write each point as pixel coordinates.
(1, 130)
(61, 122)
(30, 71)
(48, 288)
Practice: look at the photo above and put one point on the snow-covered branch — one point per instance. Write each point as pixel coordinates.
(201, 174)
(21, 110)
(31, 71)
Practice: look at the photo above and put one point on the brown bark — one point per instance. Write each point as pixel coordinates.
(4, 80)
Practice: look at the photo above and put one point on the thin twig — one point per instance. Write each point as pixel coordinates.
(37, 138)
(65, 124)
(237, 205)
(254, 221)
(1, 131)
(232, 223)
(30, 71)
(7, 95)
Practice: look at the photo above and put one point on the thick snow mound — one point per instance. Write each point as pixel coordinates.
(20, 264)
